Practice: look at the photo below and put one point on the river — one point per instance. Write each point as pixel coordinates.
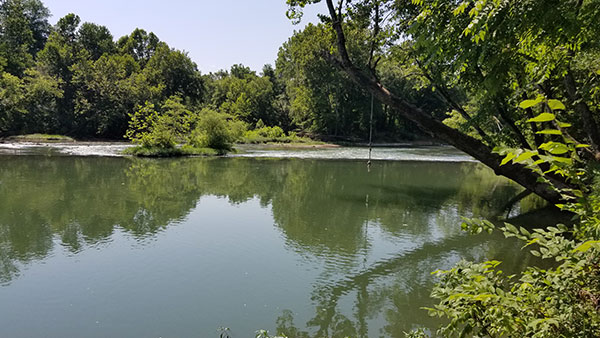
(309, 243)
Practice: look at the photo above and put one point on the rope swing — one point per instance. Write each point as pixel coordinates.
(370, 136)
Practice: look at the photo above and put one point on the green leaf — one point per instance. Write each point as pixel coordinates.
(537, 322)
(543, 117)
(483, 296)
(586, 246)
(531, 242)
(507, 159)
(459, 295)
(556, 105)
(530, 103)
(525, 156)
(563, 124)
(559, 150)
(565, 160)
(582, 146)
(460, 9)
(550, 132)
(511, 228)
(555, 148)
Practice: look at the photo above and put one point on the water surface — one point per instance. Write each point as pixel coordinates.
(99, 246)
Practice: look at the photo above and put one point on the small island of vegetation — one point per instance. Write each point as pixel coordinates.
(178, 131)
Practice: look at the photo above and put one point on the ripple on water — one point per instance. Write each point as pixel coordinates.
(78, 149)
(424, 153)
(429, 153)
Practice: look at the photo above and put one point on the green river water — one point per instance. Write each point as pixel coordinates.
(122, 247)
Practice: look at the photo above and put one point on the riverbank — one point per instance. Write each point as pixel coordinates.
(37, 138)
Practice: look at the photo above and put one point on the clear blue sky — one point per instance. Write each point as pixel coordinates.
(215, 33)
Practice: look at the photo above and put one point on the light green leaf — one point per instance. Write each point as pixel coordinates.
(543, 117)
(507, 159)
(550, 132)
(525, 156)
(531, 242)
(586, 246)
(483, 296)
(530, 103)
(555, 148)
(563, 124)
(556, 105)
(459, 295)
(558, 150)
(537, 322)
(562, 160)
(511, 228)
(460, 9)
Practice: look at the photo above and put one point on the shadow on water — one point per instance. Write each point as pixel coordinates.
(328, 211)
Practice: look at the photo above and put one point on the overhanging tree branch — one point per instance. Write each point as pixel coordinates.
(517, 172)
(442, 90)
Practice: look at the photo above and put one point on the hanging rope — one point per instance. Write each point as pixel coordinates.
(366, 234)
(370, 136)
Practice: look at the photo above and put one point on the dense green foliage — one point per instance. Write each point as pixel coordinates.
(324, 100)
(159, 132)
(559, 300)
(502, 52)
(76, 79)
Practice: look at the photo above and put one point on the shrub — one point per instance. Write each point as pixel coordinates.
(265, 134)
(215, 130)
(151, 129)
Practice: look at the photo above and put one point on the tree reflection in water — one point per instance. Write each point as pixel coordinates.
(325, 210)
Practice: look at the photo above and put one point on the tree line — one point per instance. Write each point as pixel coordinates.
(76, 79)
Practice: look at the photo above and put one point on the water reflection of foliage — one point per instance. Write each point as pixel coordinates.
(320, 206)
(397, 287)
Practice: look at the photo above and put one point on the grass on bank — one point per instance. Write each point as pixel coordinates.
(40, 138)
(185, 150)
(263, 135)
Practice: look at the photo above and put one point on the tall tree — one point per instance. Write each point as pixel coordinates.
(139, 44)
(37, 16)
(243, 94)
(175, 72)
(325, 100)
(497, 52)
(16, 37)
(105, 95)
(58, 58)
(96, 39)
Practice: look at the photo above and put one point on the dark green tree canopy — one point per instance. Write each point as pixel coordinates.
(139, 44)
(24, 29)
(96, 39)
